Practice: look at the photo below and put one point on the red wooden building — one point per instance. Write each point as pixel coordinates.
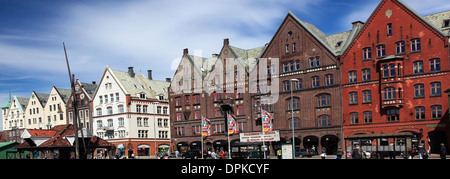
(394, 74)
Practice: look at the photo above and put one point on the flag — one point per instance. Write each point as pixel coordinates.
(206, 127)
(231, 124)
(266, 121)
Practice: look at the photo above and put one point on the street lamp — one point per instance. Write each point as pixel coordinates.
(154, 126)
(292, 116)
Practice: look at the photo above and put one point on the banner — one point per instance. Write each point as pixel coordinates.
(206, 127)
(266, 121)
(231, 124)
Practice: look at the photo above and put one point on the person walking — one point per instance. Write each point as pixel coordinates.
(324, 153)
(339, 153)
(443, 151)
(357, 153)
(422, 152)
(213, 155)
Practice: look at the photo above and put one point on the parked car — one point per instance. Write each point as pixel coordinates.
(304, 153)
(193, 154)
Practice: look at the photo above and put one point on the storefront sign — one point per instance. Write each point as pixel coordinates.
(271, 136)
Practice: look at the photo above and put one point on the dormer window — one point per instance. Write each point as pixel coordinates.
(446, 23)
(142, 96)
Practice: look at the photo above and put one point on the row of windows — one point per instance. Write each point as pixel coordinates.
(111, 97)
(217, 97)
(219, 128)
(139, 109)
(390, 93)
(315, 83)
(400, 49)
(239, 111)
(139, 122)
(122, 134)
(392, 70)
(322, 121)
(393, 115)
(314, 62)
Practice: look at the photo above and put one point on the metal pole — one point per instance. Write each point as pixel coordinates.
(262, 126)
(154, 127)
(292, 118)
(229, 146)
(201, 134)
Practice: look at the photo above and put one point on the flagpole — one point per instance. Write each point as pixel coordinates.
(202, 139)
(262, 124)
(229, 146)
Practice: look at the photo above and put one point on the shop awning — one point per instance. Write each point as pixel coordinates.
(382, 135)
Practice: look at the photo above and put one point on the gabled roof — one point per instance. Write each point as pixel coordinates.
(23, 102)
(315, 32)
(248, 58)
(64, 93)
(140, 84)
(89, 88)
(434, 21)
(42, 97)
(40, 132)
(437, 21)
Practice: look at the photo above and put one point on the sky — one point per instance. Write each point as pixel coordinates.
(147, 34)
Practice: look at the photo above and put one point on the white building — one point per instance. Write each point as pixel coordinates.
(35, 113)
(131, 111)
(55, 108)
(14, 118)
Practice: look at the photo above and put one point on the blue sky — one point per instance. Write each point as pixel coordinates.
(147, 34)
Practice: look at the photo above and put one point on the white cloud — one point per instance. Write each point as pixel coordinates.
(362, 11)
(150, 34)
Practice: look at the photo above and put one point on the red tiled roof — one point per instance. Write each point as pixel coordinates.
(59, 139)
(56, 141)
(41, 132)
(96, 141)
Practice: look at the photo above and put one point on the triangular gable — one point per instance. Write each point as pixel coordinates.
(400, 4)
(311, 29)
(109, 71)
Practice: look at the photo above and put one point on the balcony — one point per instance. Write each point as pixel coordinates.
(393, 103)
(108, 128)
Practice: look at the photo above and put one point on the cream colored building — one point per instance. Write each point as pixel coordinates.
(35, 112)
(131, 111)
(55, 108)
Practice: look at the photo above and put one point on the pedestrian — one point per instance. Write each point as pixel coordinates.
(324, 153)
(213, 155)
(357, 153)
(339, 153)
(422, 152)
(443, 151)
(177, 153)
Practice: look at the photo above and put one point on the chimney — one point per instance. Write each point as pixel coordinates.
(358, 24)
(131, 71)
(168, 80)
(185, 51)
(150, 74)
(226, 41)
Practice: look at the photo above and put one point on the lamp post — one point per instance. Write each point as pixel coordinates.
(154, 126)
(292, 116)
